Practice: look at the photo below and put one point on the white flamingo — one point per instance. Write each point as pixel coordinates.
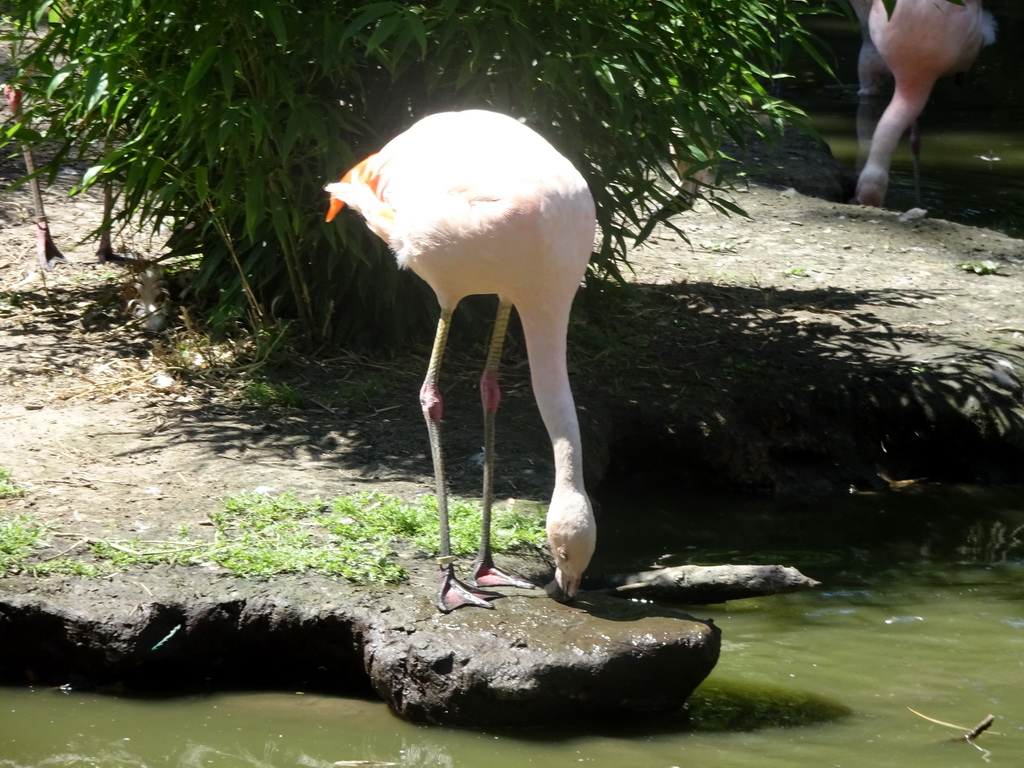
(474, 203)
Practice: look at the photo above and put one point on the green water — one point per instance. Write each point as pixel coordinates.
(920, 607)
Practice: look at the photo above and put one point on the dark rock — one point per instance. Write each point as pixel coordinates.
(797, 160)
(529, 661)
(535, 661)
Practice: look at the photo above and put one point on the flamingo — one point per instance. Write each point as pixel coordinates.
(922, 41)
(46, 250)
(475, 202)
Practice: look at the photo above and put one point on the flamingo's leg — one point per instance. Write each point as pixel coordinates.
(451, 593)
(484, 573)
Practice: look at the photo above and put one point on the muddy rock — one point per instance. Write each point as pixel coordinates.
(540, 662)
(527, 662)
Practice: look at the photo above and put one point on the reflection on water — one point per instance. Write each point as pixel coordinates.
(733, 706)
(920, 607)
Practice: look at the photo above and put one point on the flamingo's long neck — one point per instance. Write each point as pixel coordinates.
(546, 347)
(907, 103)
(571, 528)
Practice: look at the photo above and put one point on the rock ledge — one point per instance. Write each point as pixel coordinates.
(528, 662)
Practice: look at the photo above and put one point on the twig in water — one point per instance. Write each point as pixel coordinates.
(982, 726)
(969, 734)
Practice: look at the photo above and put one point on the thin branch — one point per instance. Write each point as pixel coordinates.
(939, 722)
(969, 734)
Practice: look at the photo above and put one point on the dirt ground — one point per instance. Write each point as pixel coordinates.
(812, 347)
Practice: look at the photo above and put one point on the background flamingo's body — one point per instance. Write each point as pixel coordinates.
(922, 41)
(477, 203)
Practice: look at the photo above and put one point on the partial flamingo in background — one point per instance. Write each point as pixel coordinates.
(46, 250)
(922, 41)
(474, 203)
(872, 71)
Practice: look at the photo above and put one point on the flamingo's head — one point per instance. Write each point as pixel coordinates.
(872, 186)
(362, 181)
(572, 536)
(361, 189)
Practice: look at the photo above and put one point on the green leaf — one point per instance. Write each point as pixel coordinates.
(200, 68)
(368, 15)
(202, 180)
(58, 79)
(91, 174)
(271, 13)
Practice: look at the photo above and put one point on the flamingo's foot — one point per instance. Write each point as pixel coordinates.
(453, 594)
(105, 252)
(47, 251)
(487, 574)
(50, 256)
(106, 255)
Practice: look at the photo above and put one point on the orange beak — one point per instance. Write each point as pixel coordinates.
(336, 205)
(366, 173)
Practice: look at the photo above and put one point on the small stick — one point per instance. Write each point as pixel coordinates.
(979, 728)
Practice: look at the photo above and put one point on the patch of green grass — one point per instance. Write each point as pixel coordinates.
(65, 566)
(19, 535)
(980, 267)
(9, 489)
(266, 394)
(354, 537)
(258, 536)
(512, 526)
(126, 554)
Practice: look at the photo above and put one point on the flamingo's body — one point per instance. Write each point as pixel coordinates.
(922, 41)
(475, 203)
